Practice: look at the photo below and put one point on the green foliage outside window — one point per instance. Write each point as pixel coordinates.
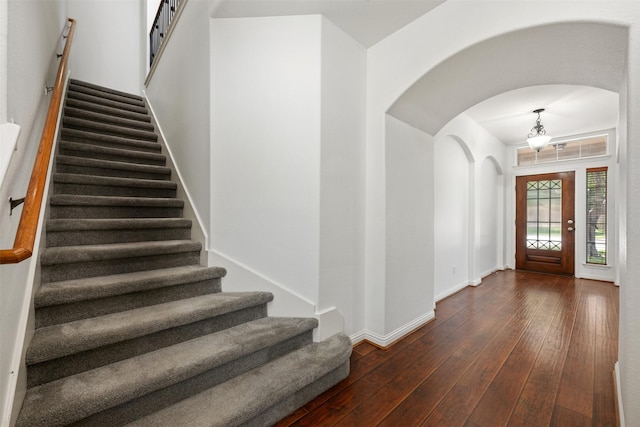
(597, 216)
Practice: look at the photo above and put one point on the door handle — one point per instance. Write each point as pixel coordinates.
(570, 221)
(569, 228)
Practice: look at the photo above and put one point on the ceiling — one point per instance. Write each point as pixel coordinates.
(366, 21)
(582, 54)
(569, 110)
(495, 83)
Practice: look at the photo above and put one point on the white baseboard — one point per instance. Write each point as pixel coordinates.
(618, 391)
(198, 230)
(388, 339)
(451, 291)
(358, 337)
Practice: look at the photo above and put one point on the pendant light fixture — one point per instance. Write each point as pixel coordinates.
(538, 138)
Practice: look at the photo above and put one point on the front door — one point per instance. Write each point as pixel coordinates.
(545, 223)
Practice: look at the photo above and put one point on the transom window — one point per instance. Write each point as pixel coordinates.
(593, 146)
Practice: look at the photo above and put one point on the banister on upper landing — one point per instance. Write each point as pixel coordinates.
(27, 228)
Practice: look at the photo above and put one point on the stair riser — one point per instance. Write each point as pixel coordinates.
(117, 173)
(98, 237)
(104, 190)
(56, 314)
(51, 370)
(89, 154)
(108, 118)
(299, 399)
(91, 212)
(80, 84)
(160, 399)
(103, 109)
(110, 141)
(74, 88)
(106, 102)
(104, 129)
(58, 272)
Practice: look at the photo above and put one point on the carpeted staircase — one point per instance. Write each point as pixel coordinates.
(130, 328)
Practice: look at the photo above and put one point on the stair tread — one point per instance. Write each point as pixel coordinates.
(100, 149)
(113, 139)
(109, 111)
(87, 253)
(76, 178)
(68, 291)
(111, 164)
(73, 398)
(108, 118)
(82, 200)
(83, 224)
(75, 122)
(105, 89)
(96, 99)
(246, 396)
(56, 341)
(101, 93)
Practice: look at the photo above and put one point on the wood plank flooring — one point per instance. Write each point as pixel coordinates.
(521, 349)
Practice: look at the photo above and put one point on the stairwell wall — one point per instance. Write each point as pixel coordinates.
(33, 35)
(179, 94)
(109, 47)
(265, 147)
(287, 149)
(343, 98)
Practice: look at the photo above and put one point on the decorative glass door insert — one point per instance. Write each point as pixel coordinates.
(544, 214)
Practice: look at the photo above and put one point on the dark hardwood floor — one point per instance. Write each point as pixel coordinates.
(521, 349)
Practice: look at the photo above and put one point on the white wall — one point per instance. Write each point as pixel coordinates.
(342, 176)
(110, 43)
(489, 190)
(409, 237)
(468, 209)
(452, 217)
(33, 35)
(265, 147)
(179, 92)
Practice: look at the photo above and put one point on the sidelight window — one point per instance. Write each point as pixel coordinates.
(597, 215)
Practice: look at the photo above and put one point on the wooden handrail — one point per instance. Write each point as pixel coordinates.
(27, 228)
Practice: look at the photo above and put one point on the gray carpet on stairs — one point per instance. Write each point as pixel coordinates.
(130, 328)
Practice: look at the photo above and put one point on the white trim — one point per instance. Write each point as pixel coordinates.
(267, 279)
(618, 391)
(172, 25)
(451, 291)
(388, 339)
(17, 362)
(330, 322)
(597, 266)
(177, 170)
(358, 337)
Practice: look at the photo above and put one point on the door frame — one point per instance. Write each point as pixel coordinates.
(541, 264)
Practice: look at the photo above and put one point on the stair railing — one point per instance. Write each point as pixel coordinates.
(27, 228)
(160, 28)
